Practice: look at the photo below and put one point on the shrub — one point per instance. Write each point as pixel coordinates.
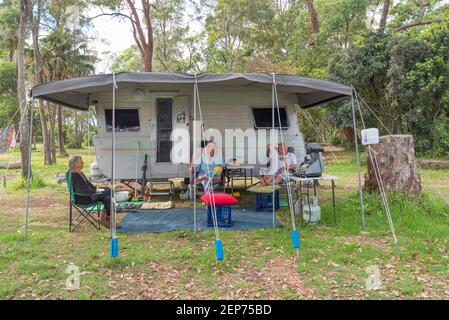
(36, 182)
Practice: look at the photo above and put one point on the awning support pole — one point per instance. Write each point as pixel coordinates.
(114, 239)
(194, 156)
(358, 159)
(272, 153)
(29, 169)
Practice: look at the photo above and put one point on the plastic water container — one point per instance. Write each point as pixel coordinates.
(184, 195)
(370, 136)
(312, 214)
(121, 195)
(95, 170)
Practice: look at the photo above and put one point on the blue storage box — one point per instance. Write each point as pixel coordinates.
(224, 216)
(264, 201)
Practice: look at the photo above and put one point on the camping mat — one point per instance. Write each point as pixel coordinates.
(182, 219)
(263, 189)
(283, 203)
(157, 205)
(137, 203)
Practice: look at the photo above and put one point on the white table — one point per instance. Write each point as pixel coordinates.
(301, 180)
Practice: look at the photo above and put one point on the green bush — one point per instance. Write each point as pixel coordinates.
(74, 141)
(438, 148)
(338, 139)
(36, 182)
(400, 203)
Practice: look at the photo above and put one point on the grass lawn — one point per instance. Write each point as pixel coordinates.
(334, 262)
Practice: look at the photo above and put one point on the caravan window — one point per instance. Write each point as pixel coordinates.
(263, 118)
(125, 120)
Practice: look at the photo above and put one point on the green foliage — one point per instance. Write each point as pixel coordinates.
(419, 83)
(128, 60)
(20, 184)
(402, 73)
(402, 12)
(73, 140)
(66, 54)
(9, 20)
(404, 79)
(8, 77)
(168, 35)
(226, 28)
(8, 96)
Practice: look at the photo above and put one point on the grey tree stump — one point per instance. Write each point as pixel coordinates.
(395, 155)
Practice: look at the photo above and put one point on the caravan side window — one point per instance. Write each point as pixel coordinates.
(263, 118)
(125, 120)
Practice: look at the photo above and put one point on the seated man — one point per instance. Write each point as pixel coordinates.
(210, 164)
(286, 164)
(86, 192)
(288, 160)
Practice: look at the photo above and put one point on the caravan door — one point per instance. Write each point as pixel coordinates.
(164, 111)
(170, 112)
(181, 117)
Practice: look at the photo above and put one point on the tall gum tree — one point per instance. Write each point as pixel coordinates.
(25, 7)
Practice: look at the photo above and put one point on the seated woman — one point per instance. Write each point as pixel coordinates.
(273, 169)
(86, 192)
(196, 159)
(209, 164)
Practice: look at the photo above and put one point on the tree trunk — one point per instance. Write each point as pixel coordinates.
(43, 118)
(21, 90)
(395, 158)
(76, 124)
(313, 20)
(143, 38)
(313, 16)
(349, 134)
(39, 74)
(62, 151)
(383, 18)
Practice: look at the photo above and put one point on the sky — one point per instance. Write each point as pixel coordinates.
(114, 36)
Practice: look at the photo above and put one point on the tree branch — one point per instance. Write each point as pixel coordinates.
(113, 14)
(417, 23)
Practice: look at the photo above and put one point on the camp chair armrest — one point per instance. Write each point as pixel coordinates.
(86, 194)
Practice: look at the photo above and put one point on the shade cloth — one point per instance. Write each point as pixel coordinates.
(75, 92)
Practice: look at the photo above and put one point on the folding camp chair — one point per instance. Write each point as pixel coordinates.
(83, 212)
(152, 190)
(283, 191)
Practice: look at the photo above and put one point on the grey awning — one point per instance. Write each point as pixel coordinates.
(75, 93)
